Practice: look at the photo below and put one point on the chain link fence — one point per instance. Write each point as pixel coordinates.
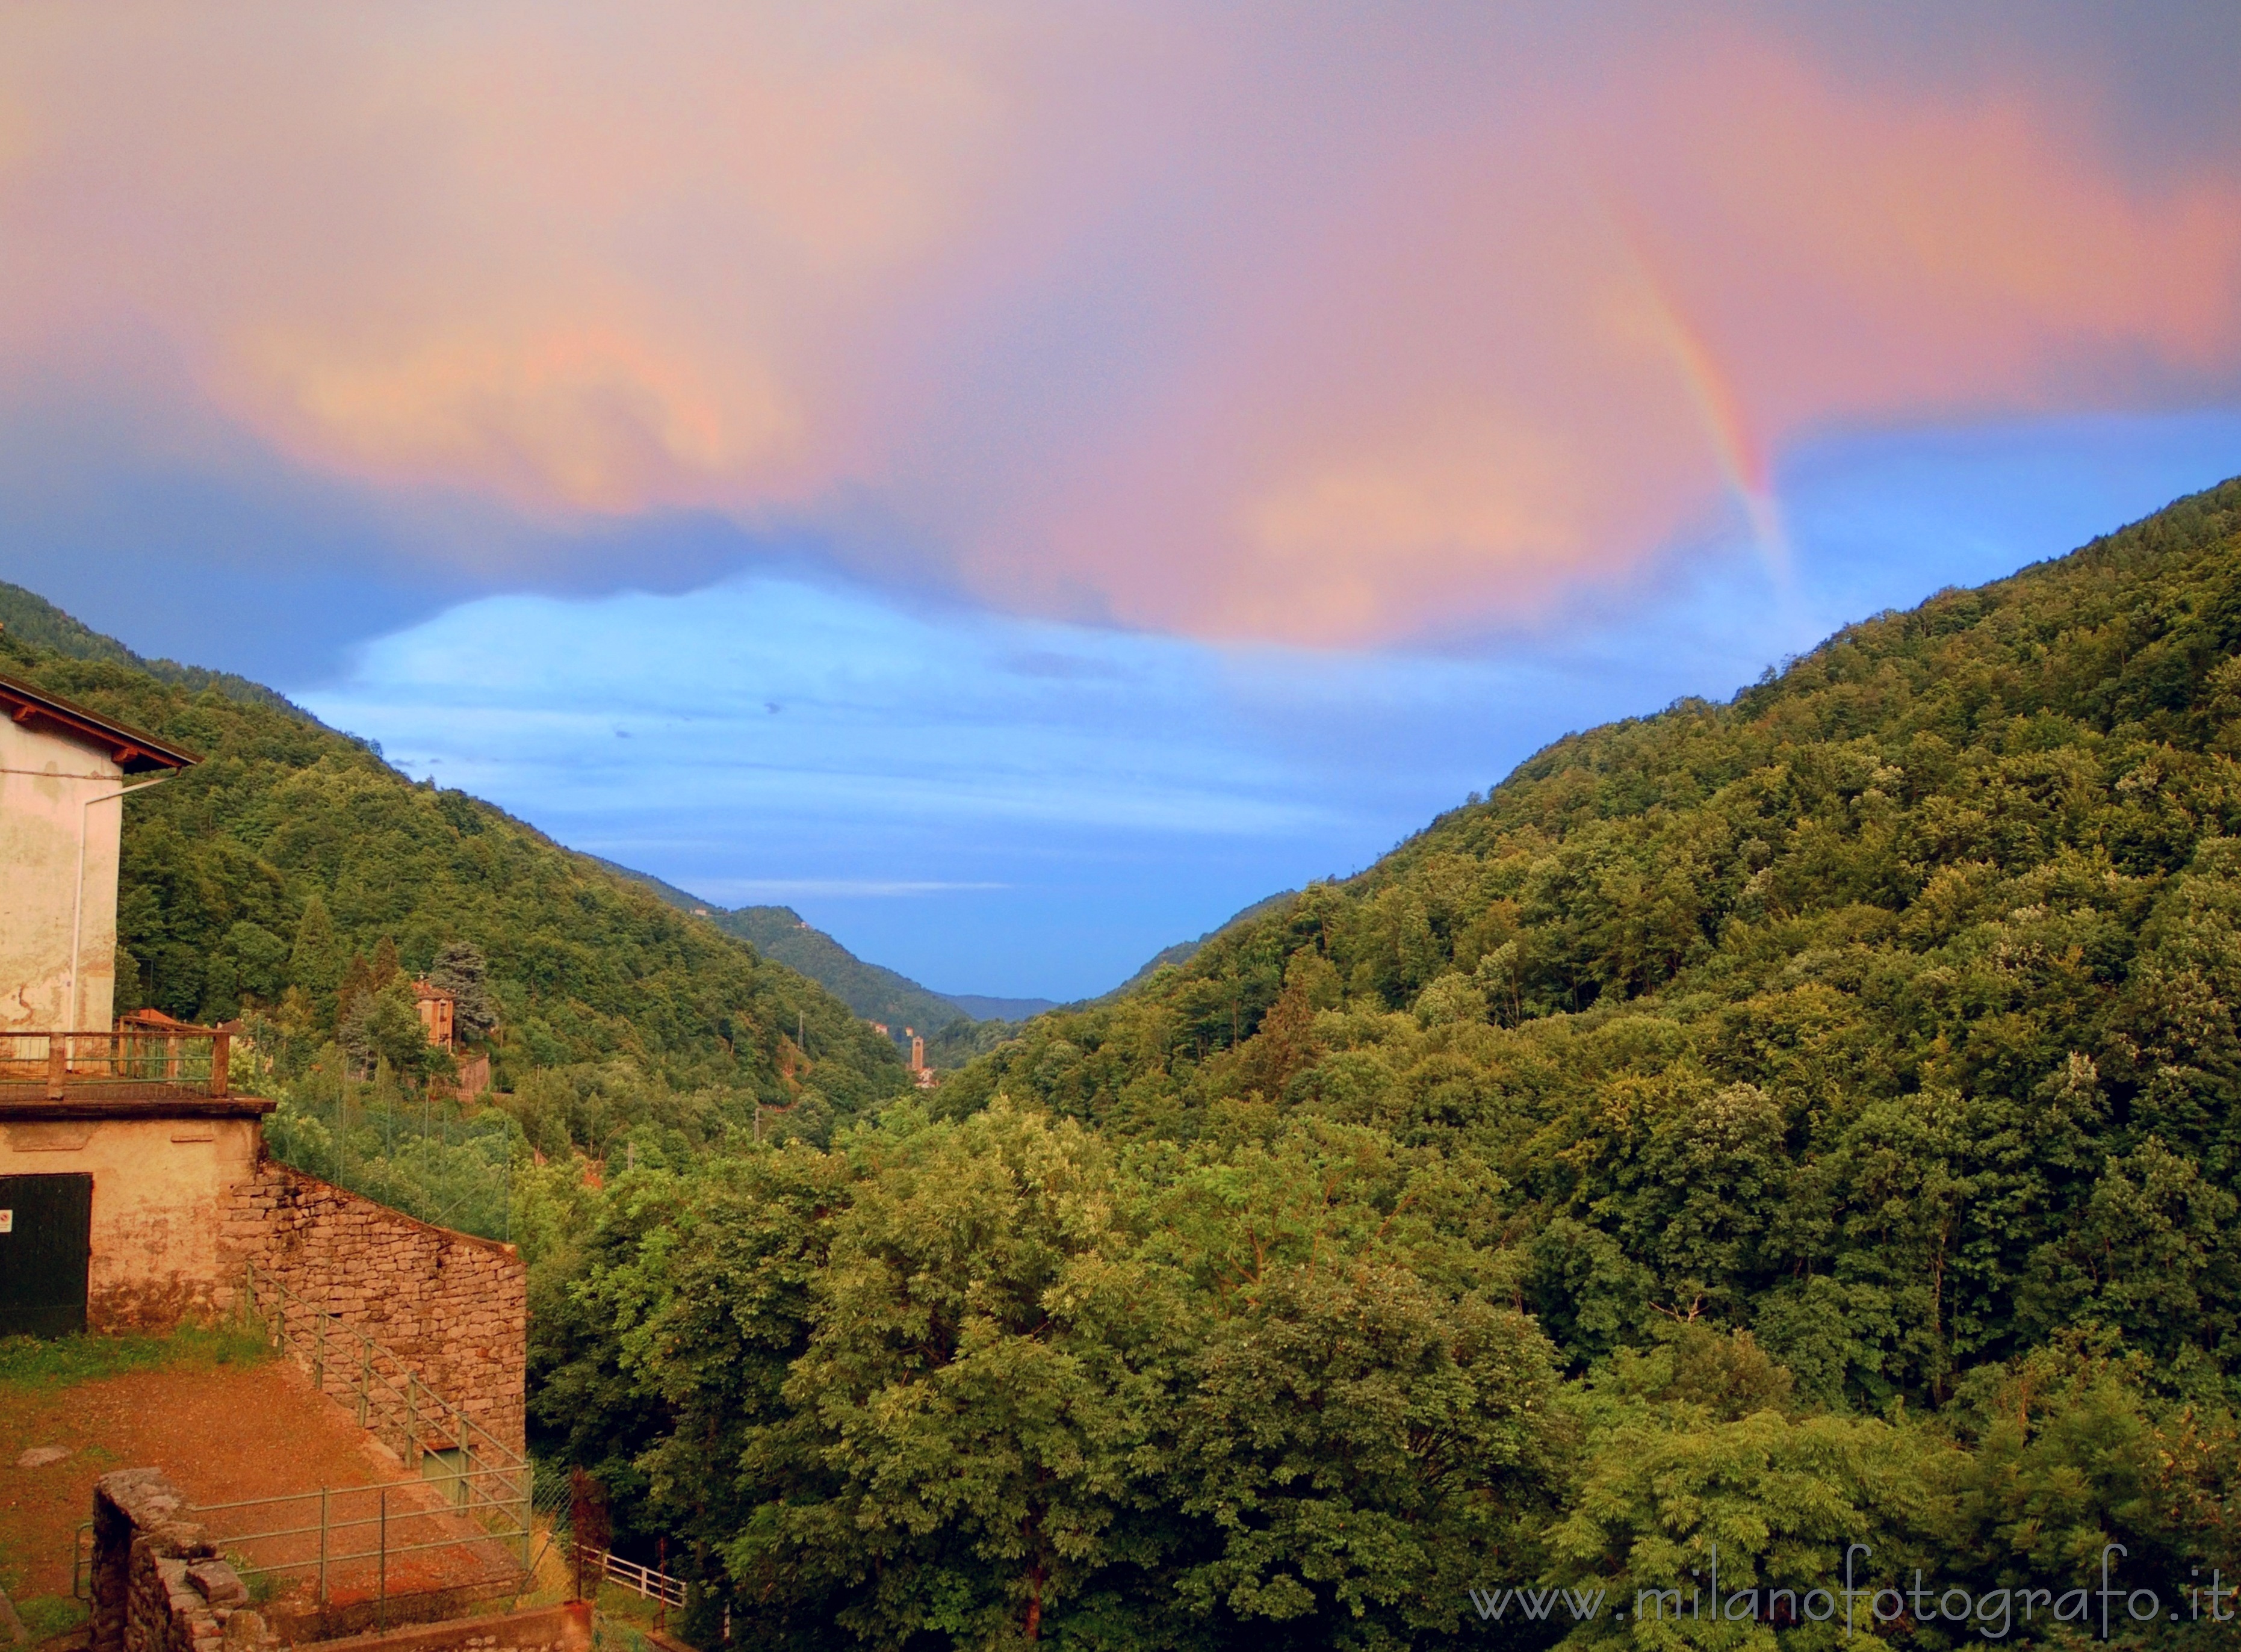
(446, 1165)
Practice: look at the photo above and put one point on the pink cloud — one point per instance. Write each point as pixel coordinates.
(1223, 327)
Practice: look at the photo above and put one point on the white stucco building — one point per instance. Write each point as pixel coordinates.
(62, 769)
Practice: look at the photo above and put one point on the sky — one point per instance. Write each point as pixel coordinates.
(1018, 483)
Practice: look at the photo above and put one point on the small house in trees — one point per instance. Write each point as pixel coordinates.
(439, 1019)
(439, 1011)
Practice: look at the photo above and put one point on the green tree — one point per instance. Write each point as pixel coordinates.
(316, 962)
(383, 1024)
(460, 970)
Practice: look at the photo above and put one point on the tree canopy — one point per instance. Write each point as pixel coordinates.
(1750, 1131)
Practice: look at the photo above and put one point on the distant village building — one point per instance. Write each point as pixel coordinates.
(921, 1074)
(438, 1010)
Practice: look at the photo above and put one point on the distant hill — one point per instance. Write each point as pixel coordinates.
(31, 618)
(873, 992)
(1001, 1009)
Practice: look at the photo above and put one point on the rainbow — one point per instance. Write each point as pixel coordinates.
(1741, 457)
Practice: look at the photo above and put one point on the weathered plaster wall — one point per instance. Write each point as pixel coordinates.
(160, 1187)
(452, 1306)
(40, 815)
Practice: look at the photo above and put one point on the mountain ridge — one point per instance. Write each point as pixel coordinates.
(874, 991)
(1796, 1129)
(1954, 858)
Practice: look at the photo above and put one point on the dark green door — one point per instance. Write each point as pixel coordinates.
(46, 1231)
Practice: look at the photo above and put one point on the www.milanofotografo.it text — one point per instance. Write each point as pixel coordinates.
(2103, 1604)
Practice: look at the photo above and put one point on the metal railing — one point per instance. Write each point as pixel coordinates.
(361, 1544)
(640, 1580)
(132, 1065)
(464, 1526)
(390, 1399)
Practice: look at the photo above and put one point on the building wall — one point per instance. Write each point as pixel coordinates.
(436, 1016)
(452, 1306)
(40, 815)
(159, 1188)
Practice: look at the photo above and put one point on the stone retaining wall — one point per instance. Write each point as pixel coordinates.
(452, 1306)
(547, 1628)
(158, 1582)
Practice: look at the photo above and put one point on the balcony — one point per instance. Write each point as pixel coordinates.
(176, 1069)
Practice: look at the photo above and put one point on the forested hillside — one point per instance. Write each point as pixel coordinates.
(875, 993)
(878, 993)
(260, 879)
(1183, 951)
(1885, 1011)
(953, 1035)
(1755, 1129)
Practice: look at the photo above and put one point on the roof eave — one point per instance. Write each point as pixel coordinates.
(133, 750)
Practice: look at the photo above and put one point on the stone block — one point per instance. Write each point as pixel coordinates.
(219, 1583)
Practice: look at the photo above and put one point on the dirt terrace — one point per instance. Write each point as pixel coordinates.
(222, 1435)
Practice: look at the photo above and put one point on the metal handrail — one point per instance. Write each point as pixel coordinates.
(499, 1489)
(409, 1399)
(303, 1496)
(513, 1542)
(640, 1580)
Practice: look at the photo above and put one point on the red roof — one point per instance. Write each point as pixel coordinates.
(156, 1021)
(134, 749)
